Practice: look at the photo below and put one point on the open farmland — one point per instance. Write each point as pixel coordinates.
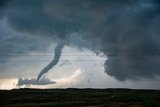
(79, 98)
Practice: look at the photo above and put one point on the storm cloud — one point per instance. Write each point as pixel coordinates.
(126, 31)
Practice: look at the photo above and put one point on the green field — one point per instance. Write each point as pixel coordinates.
(79, 98)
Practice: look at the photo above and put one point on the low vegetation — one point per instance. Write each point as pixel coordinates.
(79, 98)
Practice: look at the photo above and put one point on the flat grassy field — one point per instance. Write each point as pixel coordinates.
(79, 98)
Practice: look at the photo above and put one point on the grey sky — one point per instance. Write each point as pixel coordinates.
(126, 33)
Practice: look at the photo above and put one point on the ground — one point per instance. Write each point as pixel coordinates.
(79, 98)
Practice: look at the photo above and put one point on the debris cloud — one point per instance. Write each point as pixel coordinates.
(33, 81)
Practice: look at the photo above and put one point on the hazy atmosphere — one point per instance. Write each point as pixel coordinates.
(80, 44)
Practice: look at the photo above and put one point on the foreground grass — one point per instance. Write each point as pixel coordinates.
(79, 98)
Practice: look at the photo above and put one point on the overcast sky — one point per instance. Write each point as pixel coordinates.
(80, 44)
